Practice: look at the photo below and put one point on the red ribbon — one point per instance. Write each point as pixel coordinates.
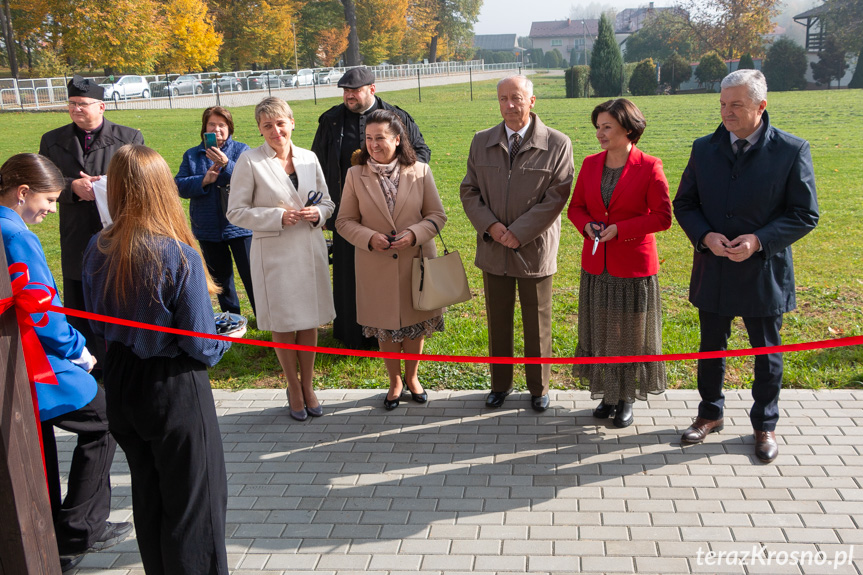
(29, 298)
(791, 347)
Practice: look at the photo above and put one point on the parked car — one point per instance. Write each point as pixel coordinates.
(127, 87)
(224, 83)
(261, 81)
(184, 85)
(304, 77)
(327, 76)
(287, 79)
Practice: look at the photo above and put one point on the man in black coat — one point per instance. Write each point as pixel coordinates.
(82, 151)
(341, 130)
(747, 194)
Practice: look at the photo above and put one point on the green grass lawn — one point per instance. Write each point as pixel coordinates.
(829, 284)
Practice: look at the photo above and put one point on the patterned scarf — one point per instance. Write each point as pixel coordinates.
(388, 177)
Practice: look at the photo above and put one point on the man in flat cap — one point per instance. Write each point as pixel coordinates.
(341, 129)
(82, 151)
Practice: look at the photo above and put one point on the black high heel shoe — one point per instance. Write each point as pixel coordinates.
(624, 416)
(604, 410)
(417, 397)
(390, 404)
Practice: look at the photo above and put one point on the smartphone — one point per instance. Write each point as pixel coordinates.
(210, 140)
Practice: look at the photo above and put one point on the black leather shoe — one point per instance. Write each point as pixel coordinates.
(604, 410)
(390, 404)
(496, 398)
(765, 446)
(113, 534)
(539, 402)
(417, 397)
(623, 417)
(69, 562)
(700, 429)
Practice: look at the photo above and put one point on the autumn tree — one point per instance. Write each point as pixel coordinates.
(192, 41)
(454, 20)
(421, 24)
(352, 55)
(606, 61)
(127, 35)
(732, 27)
(663, 34)
(322, 35)
(381, 27)
(710, 70)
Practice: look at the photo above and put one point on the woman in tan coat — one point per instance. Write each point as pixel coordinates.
(388, 211)
(272, 189)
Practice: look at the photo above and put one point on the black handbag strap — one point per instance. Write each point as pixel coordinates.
(437, 229)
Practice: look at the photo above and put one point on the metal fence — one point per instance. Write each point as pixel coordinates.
(240, 88)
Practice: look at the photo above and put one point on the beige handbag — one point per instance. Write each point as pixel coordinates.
(438, 282)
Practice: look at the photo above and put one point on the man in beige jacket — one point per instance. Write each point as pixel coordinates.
(519, 176)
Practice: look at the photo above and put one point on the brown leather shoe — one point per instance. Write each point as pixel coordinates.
(700, 429)
(766, 448)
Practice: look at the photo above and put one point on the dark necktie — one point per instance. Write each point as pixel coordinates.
(513, 148)
(88, 141)
(741, 145)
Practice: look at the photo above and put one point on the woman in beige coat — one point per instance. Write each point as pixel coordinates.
(272, 189)
(389, 208)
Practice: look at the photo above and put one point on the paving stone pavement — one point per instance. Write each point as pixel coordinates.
(453, 488)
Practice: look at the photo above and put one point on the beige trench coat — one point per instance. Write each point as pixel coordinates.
(290, 271)
(384, 278)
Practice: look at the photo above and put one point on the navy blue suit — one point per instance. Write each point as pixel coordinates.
(770, 192)
(77, 404)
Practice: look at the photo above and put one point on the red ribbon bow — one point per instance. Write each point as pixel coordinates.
(28, 300)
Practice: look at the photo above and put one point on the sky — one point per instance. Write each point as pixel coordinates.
(515, 16)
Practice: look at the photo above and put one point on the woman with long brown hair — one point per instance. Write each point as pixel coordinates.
(161, 411)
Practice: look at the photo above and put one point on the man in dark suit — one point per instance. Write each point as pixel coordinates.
(82, 151)
(747, 194)
(341, 130)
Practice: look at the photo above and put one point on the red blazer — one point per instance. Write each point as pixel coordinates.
(639, 206)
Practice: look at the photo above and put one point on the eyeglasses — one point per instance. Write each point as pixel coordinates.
(81, 105)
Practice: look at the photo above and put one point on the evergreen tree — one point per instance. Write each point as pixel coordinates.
(746, 62)
(643, 81)
(675, 71)
(606, 61)
(831, 64)
(785, 66)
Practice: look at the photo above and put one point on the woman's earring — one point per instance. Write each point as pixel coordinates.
(20, 201)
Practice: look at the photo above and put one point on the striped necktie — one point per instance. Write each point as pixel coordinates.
(514, 147)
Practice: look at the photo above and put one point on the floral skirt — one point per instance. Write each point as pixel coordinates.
(620, 316)
(423, 328)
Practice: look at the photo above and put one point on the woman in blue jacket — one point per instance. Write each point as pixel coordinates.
(29, 187)
(204, 179)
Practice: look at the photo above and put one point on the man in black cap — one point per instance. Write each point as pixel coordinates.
(341, 129)
(82, 151)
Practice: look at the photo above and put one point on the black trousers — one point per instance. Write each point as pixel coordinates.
(763, 331)
(73, 298)
(221, 266)
(79, 519)
(162, 413)
(345, 326)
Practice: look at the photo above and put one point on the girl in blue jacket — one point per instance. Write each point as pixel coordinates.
(29, 187)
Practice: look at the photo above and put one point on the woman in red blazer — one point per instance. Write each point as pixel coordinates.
(620, 201)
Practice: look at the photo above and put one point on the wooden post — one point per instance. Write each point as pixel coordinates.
(27, 541)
